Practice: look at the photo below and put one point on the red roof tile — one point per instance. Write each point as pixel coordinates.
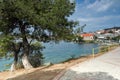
(87, 35)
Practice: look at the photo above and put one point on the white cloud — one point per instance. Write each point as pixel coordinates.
(96, 19)
(97, 14)
(100, 5)
(95, 23)
(85, 19)
(72, 1)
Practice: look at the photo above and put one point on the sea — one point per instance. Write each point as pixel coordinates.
(58, 52)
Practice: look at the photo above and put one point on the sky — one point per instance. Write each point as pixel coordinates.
(97, 14)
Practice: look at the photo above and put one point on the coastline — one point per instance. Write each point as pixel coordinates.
(53, 69)
(41, 72)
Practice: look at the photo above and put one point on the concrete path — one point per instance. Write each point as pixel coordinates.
(105, 67)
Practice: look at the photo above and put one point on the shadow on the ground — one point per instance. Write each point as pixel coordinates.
(38, 75)
(71, 75)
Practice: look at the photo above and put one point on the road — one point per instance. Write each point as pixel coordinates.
(104, 67)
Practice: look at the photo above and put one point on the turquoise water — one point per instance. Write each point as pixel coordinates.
(4, 62)
(56, 53)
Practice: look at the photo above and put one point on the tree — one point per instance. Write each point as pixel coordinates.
(80, 29)
(8, 46)
(77, 32)
(35, 20)
(117, 38)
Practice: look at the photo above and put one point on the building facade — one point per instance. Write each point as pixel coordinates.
(87, 36)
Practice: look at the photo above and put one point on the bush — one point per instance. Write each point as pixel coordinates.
(19, 65)
(89, 41)
(103, 49)
(36, 59)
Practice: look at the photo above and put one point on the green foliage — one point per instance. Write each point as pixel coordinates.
(38, 20)
(89, 41)
(5, 45)
(43, 15)
(36, 45)
(116, 38)
(36, 56)
(111, 31)
(42, 20)
(104, 49)
(78, 39)
(36, 59)
(95, 37)
(108, 38)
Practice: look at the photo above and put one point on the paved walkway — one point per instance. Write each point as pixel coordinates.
(105, 67)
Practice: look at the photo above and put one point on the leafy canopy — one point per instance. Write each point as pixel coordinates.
(46, 18)
(41, 20)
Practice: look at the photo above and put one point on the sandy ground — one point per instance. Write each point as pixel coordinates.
(44, 72)
(41, 73)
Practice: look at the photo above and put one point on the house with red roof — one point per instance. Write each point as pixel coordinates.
(87, 36)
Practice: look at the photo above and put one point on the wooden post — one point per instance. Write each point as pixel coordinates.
(93, 52)
(98, 49)
(108, 48)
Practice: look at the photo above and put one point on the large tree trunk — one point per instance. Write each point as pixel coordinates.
(13, 66)
(26, 47)
(26, 62)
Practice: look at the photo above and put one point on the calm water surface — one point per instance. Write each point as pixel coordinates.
(56, 53)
